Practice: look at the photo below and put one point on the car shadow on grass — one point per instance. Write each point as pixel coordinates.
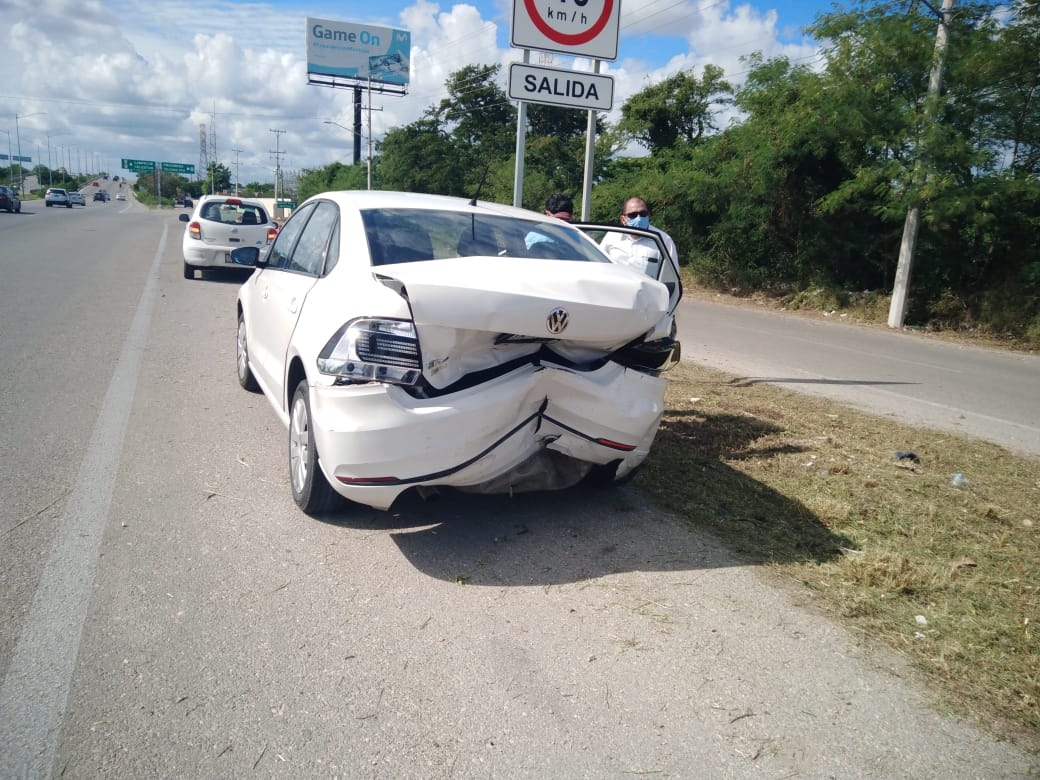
(690, 475)
(686, 510)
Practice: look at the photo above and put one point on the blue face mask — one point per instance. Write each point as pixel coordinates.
(642, 223)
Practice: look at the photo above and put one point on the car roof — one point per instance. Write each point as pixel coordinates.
(384, 199)
(237, 198)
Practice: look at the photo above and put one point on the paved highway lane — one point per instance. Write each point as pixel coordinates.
(972, 391)
(70, 282)
(224, 634)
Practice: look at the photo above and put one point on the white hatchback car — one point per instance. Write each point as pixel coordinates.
(219, 224)
(76, 198)
(57, 196)
(418, 341)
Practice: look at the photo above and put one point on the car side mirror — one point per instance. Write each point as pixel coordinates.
(246, 255)
(184, 218)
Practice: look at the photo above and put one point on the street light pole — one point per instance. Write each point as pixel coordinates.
(341, 127)
(354, 132)
(18, 137)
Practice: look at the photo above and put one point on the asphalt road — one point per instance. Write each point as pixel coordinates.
(990, 394)
(167, 612)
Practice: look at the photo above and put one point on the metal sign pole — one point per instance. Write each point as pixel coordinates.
(590, 152)
(521, 142)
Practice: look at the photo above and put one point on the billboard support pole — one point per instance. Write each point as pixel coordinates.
(357, 124)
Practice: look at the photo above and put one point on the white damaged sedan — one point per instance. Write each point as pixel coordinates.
(422, 341)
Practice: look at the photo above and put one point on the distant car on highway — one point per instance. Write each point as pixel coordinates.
(77, 199)
(120, 196)
(219, 225)
(57, 196)
(9, 200)
(101, 195)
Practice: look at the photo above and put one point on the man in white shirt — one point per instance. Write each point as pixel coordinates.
(638, 252)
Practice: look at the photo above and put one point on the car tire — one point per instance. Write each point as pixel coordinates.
(245, 375)
(48, 205)
(310, 490)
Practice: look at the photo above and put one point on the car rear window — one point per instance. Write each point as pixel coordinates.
(410, 235)
(234, 213)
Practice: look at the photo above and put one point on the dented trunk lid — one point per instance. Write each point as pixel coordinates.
(472, 313)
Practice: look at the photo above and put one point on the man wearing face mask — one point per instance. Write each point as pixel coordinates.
(557, 205)
(638, 252)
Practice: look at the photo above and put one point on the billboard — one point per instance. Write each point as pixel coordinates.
(358, 51)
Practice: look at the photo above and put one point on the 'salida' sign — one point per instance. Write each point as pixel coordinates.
(559, 87)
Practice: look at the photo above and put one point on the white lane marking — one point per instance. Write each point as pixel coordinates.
(36, 687)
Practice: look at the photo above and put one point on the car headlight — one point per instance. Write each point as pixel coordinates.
(373, 350)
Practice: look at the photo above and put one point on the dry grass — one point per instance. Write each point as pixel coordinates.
(948, 576)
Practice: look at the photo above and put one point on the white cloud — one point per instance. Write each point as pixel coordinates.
(137, 79)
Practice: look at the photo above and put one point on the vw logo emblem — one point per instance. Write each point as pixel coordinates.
(556, 322)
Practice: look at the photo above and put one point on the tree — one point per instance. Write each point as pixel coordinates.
(218, 178)
(477, 113)
(420, 157)
(679, 110)
(255, 189)
(335, 176)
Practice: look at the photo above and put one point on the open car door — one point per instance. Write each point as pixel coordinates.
(640, 249)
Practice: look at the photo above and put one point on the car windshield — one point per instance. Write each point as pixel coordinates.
(234, 213)
(407, 235)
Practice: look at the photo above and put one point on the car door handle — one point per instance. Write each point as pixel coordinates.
(293, 306)
(265, 293)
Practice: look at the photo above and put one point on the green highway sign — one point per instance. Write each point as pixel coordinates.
(138, 166)
(285, 204)
(168, 167)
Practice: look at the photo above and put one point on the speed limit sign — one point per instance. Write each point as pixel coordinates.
(584, 28)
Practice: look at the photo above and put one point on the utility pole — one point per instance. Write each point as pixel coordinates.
(277, 152)
(369, 168)
(897, 309)
(236, 151)
(213, 146)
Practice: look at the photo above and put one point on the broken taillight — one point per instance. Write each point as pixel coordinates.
(373, 350)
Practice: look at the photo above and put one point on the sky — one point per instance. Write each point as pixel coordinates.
(87, 83)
